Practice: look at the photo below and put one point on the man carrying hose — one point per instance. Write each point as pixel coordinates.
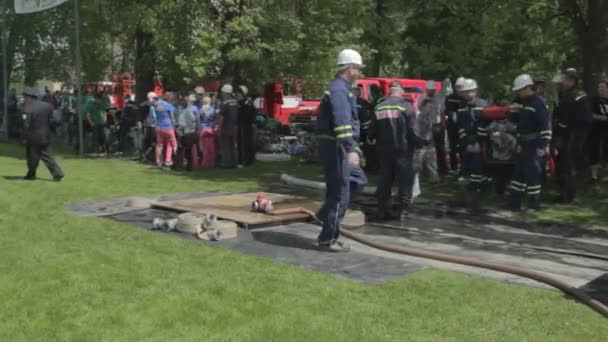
(338, 128)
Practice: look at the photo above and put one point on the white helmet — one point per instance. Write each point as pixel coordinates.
(460, 83)
(244, 89)
(227, 89)
(199, 90)
(522, 81)
(152, 95)
(348, 57)
(469, 84)
(558, 78)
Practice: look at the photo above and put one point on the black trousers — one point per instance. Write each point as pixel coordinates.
(569, 160)
(37, 152)
(454, 142)
(228, 149)
(393, 166)
(439, 139)
(598, 143)
(246, 145)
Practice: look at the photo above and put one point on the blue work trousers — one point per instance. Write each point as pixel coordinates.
(343, 185)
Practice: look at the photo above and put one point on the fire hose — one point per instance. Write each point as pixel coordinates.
(537, 276)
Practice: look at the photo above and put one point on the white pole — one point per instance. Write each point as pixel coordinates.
(78, 63)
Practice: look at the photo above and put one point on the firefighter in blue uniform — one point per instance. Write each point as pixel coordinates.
(392, 127)
(470, 131)
(533, 135)
(338, 129)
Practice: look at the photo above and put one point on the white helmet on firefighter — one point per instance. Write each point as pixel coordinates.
(522, 81)
(460, 83)
(244, 90)
(227, 89)
(558, 78)
(469, 84)
(349, 57)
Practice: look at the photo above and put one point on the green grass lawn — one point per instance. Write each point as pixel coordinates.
(90, 279)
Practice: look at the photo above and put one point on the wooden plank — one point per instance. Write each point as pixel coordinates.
(237, 208)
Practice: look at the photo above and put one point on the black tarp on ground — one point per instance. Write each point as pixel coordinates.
(281, 245)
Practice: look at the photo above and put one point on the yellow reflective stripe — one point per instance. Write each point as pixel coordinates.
(530, 109)
(580, 97)
(390, 107)
(477, 108)
(534, 187)
(463, 110)
(475, 176)
(482, 129)
(461, 130)
(344, 135)
(342, 128)
(516, 189)
(518, 183)
(561, 125)
(546, 132)
(325, 136)
(537, 192)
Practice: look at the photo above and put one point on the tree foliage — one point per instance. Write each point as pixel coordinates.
(256, 41)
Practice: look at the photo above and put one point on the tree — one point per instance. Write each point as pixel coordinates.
(589, 19)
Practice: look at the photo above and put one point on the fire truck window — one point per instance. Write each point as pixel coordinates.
(289, 89)
(375, 93)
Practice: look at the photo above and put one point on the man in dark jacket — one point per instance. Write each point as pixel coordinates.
(392, 127)
(246, 124)
(229, 113)
(573, 117)
(37, 116)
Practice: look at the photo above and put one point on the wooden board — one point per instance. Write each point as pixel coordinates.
(237, 208)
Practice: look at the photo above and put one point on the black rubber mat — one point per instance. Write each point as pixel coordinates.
(598, 288)
(283, 246)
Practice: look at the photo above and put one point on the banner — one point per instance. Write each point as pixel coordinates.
(31, 6)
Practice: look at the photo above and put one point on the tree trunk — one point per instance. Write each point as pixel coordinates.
(29, 75)
(590, 26)
(376, 63)
(145, 59)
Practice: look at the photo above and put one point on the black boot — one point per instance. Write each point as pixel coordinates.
(405, 212)
(385, 211)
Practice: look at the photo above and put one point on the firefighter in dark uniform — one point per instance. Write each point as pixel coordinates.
(453, 103)
(470, 131)
(338, 129)
(246, 123)
(364, 113)
(37, 122)
(533, 136)
(393, 128)
(573, 120)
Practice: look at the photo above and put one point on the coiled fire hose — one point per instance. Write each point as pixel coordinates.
(543, 278)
